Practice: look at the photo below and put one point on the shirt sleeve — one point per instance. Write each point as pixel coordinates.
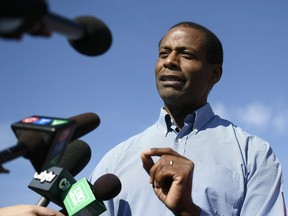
(264, 188)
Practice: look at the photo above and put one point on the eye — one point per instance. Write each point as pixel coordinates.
(188, 55)
(164, 53)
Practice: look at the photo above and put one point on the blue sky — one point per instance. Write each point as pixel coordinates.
(48, 77)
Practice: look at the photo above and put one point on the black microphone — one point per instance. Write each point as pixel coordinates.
(107, 187)
(76, 156)
(34, 146)
(85, 123)
(88, 35)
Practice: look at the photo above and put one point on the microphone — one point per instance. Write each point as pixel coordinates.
(34, 145)
(85, 123)
(79, 198)
(50, 183)
(88, 35)
(75, 157)
(107, 187)
(84, 199)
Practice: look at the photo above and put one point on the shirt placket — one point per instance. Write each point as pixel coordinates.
(182, 137)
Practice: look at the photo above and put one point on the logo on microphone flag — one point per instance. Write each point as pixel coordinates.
(53, 133)
(80, 200)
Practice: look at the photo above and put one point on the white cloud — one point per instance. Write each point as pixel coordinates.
(221, 110)
(280, 121)
(256, 115)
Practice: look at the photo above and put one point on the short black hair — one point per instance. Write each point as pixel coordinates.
(213, 44)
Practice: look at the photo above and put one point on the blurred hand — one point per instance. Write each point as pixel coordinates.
(28, 210)
(19, 17)
(38, 29)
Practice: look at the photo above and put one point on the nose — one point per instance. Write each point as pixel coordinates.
(171, 61)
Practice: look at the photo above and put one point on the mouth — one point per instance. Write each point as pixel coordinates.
(172, 80)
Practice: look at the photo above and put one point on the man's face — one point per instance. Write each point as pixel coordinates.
(183, 75)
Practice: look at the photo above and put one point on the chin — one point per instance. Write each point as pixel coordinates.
(170, 96)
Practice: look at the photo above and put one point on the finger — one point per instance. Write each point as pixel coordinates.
(163, 171)
(154, 169)
(147, 161)
(44, 211)
(160, 151)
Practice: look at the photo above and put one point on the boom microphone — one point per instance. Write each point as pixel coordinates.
(34, 146)
(88, 35)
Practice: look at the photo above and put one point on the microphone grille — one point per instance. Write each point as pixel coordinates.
(85, 123)
(97, 38)
(75, 157)
(107, 187)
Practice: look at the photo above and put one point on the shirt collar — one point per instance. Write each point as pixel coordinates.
(200, 118)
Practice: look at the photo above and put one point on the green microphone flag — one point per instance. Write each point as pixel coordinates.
(79, 200)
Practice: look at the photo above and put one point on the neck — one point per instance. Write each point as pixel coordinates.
(179, 113)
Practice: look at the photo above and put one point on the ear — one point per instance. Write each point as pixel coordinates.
(216, 74)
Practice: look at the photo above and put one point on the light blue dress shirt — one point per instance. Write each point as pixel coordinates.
(235, 173)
